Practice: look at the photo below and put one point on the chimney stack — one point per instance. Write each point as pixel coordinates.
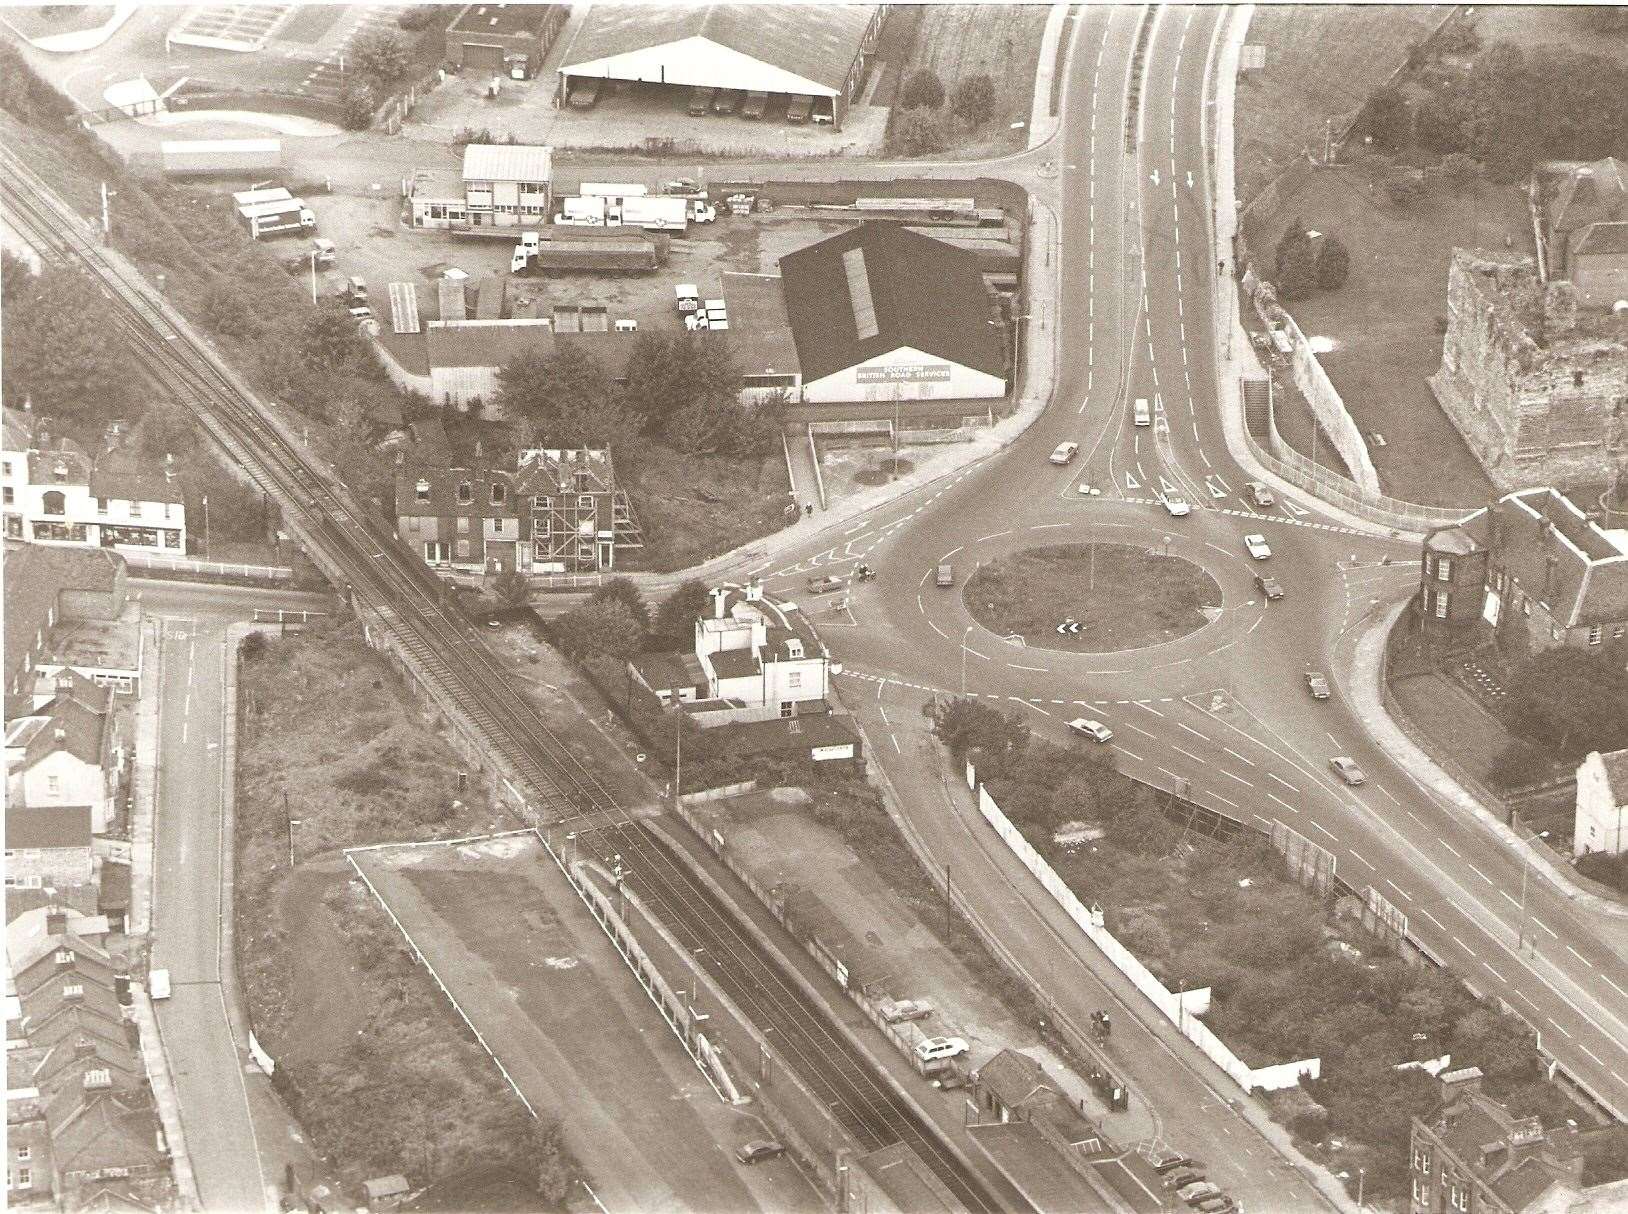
(719, 594)
(56, 922)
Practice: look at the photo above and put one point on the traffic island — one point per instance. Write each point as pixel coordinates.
(1091, 598)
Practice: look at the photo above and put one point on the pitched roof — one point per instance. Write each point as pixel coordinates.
(443, 485)
(74, 726)
(921, 293)
(47, 826)
(1524, 530)
(1604, 237)
(818, 42)
(546, 471)
(1015, 1079)
(34, 574)
(507, 162)
(106, 1130)
(1524, 1184)
(119, 474)
(1590, 192)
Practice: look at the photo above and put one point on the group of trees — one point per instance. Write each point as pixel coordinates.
(1561, 705)
(61, 349)
(676, 388)
(616, 622)
(378, 61)
(1305, 265)
(1513, 108)
(925, 124)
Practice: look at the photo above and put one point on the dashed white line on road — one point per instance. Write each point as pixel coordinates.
(1508, 897)
(1580, 956)
(1501, 978)
(1433, 919)
(1590, 1053)
(1188, 753)
(1614, 986)
(1240, 779)
(994, 536)
(1543, 925)
(1151, 709)
(1140, 730)
(1037, 669)
(1527, 997)
(1356, 855)
(1283, 803)
(1559, 1029)
(895, 742)
(938, 630)
(1128, 753)
(1399, 889)
(1450, 847)
(1272, 775)
(1326, 831)
(1191, 730)
(1238, 756)
(1478, 872)
(1463, 946)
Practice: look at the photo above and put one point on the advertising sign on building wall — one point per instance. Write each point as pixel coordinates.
(915, 373)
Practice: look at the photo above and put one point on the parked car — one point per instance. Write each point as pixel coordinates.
(1258, 493)
(754, 105)
(1317, 684)
(800, 108)
(323, 250)
(1165, 1162)
(584, 94)
(1346, 768)
(1219, 1204)
(1202, 1190)
(897, 1011)
(1181, 1178)
(932, 1049)
(725, 101)
(824, 585)
(1257, 547)
(1269, 586)
(759, 1150)
(1177, 505)
(945, 576)
(1087, 728)
(700, 101)
(1062, 453)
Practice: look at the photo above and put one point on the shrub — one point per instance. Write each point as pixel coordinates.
(356, 106)
(381, 55)
(1403, 190)
(1460, 170)
(922, 90)
(974, 100)
(1333, 264)
(922, 132)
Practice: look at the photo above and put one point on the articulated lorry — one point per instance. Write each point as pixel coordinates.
(269, 212)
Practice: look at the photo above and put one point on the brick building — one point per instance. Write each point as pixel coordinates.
(1538, 388)
(1531, 571)
(48, 846)
(503, 39)
(1472, 1156)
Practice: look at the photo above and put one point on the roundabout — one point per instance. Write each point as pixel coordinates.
(1092, 597)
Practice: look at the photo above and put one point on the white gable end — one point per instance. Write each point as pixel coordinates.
(698, 61)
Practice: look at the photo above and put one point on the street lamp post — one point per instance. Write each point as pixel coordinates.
(1526, 868)
(313, 276)
(206, 526)
(964, 637)
(1362, 1176)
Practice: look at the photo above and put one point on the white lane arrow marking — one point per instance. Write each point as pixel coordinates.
(1216, 486)
(1295, 510)
(1155, 176)
(1131, 482)
(1166, 486)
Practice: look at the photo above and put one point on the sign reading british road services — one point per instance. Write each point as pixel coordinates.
(907, 373)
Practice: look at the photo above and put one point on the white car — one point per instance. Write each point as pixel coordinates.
(1346, 768)
(1062, 453)
(931, 1049)
(1177, 505)
(1087, 728)
(1257, 547)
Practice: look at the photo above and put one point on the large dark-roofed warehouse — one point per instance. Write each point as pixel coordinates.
(881, 313)
(784, 50)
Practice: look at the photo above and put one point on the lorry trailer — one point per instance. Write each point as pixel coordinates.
(221, 157)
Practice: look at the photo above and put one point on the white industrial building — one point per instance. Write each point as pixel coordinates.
(814, 50)
(500, 186)
(880, 313)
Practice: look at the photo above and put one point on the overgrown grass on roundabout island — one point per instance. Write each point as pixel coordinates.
(1124, 596)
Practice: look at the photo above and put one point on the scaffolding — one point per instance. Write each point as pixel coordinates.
(579, 518)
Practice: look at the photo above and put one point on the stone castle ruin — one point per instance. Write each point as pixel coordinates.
(1537, 387)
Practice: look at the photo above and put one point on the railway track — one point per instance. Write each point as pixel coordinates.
(407, 597)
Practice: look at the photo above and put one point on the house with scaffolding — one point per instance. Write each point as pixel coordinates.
(578, 515)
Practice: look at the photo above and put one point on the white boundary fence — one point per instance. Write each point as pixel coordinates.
(1182, 1009)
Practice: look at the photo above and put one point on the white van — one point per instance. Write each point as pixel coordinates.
(1144, 414)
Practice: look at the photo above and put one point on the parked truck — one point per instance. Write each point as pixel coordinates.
(597, 251)
(268, 212)
(612, 189)
(585, 212)
(222, 157)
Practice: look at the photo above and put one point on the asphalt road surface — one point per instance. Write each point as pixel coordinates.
(1221, 716)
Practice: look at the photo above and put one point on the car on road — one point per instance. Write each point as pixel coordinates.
(933, 1049)
(1317, 684)
(1219, 1204)
(1346, 768)
(759, 1150)
(824, 585)
(897, 1011)
(1258, 493)
(1257, 547)
(1269, 586)
(1087, 728)
(1062, 453)
(1177, 505)
(945, 575)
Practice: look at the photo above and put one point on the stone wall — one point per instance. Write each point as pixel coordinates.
(1535, 396)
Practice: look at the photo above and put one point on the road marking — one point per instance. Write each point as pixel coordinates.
(938, 630)
(995, 536)
(1614, 986)
(1543, 925)
(1283, 803)
(1433, 919)
(1528, 999)
(1590, 1053)
(1509, 898)
(1151, 709)
(1129, 753)
(1039, 669)
(1272, 775)
(1580, 956)
(1240, 779)
(1463, 946)
(895, 742)
(1188, 753)
(1450, 847)
(1191, 730)
(1478, 872)
(1501, 978)
(1140, 730)
(1326, 831)
(1559, 1029)
(1399, 889)
(1356, 855)
(1239, 757)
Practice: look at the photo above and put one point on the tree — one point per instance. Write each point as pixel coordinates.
(1570, 701)
(226, 309)
(1296, 263)
(922, 89)
(974, 100)
(674, 624)
(563, 397)
(994, 741)
(329, 342)
(356, 106)
(512, 587)
(381, 55)
(608, 628)
(1460, 170)
(922, 132)
(1388, 119)
(688, 389)
(59, 346)
(621, 590)
(1333, 264)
